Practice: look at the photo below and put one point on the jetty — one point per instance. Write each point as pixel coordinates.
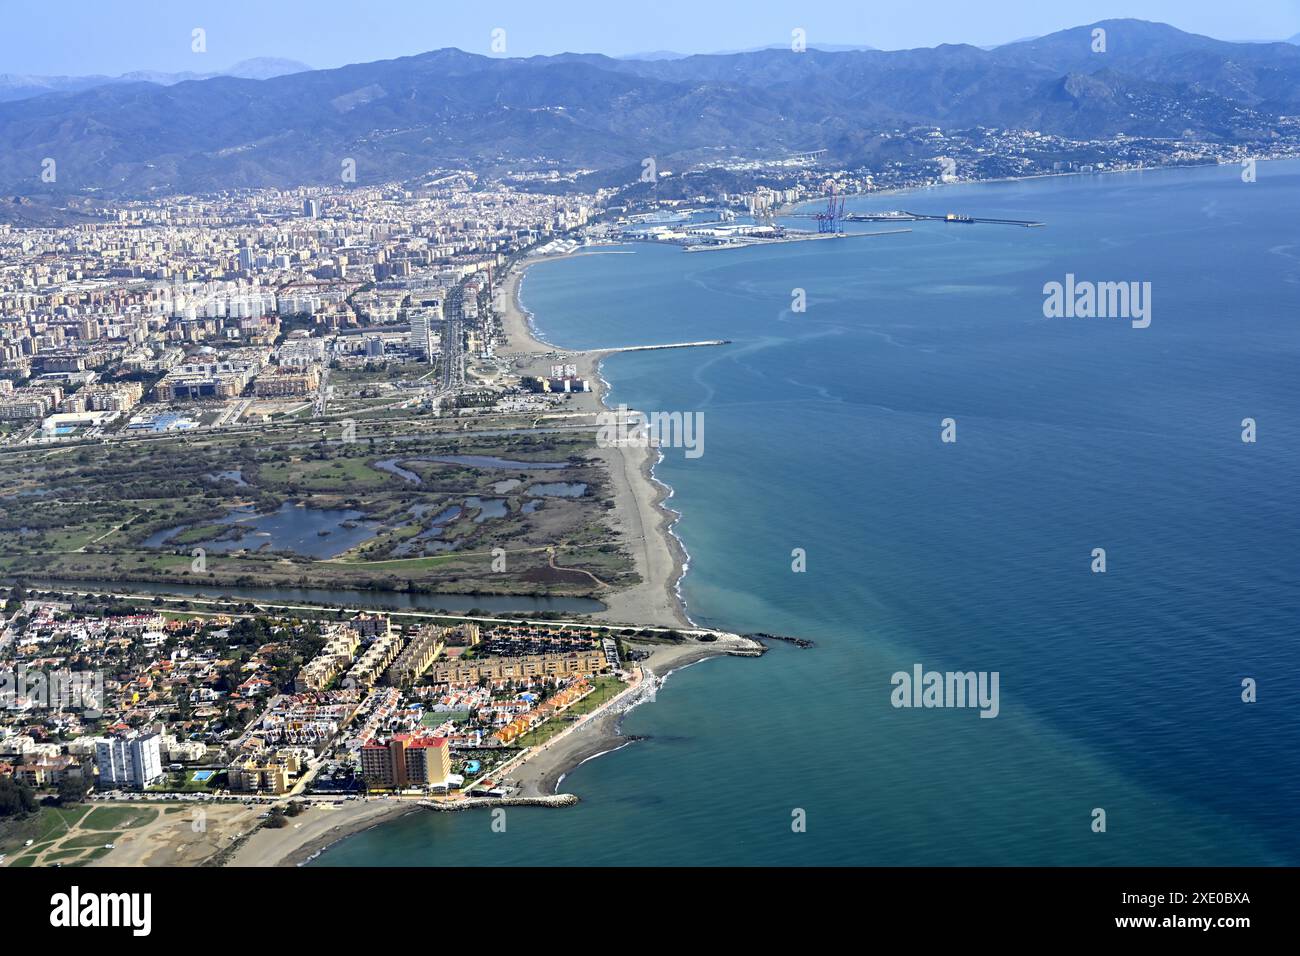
(801, 642)
(475, 803)
(903, 215)
(748, 242)
(670, 345)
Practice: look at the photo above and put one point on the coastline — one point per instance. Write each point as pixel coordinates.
(542, 771)
(791, 208)
(537, 775)
(640, 514)
(643, 518)
(321, 826)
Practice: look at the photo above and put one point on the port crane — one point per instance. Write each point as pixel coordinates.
(832, 220)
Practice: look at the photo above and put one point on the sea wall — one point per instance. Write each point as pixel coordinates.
(554, 800)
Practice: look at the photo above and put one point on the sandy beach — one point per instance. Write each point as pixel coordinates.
(183, 836)
(322, 824)
(639, 515)
(544, 770)
(538, 774)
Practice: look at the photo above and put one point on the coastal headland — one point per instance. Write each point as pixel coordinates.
(533, 778)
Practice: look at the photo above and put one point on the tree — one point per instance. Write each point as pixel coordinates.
(71, 790)
(277, 820)
(16, 597)
(15, 799)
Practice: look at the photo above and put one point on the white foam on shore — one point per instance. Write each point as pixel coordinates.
(664, 680)
(530, 323)
(611, 750)
(606, 387)
(671, 528)
(606, 390)
(634, 700)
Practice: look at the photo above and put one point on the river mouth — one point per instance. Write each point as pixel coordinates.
(332, 597)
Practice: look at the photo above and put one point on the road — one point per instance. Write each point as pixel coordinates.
(322, 394)
(453, 344)
(71, 588)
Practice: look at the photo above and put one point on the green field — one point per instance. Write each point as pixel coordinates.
(43, 827)
(118, 818)
(51, 827)
(106, 501)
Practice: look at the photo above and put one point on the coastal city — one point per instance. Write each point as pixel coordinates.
(117, 715)
(403, 416)
(357, 520)
(253, 307)
(236, 309)
(356, 333)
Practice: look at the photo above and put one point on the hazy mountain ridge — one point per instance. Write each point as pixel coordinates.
(18, 86)
(398, 118)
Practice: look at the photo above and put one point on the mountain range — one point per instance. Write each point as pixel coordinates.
(399, 118)
(18, 86)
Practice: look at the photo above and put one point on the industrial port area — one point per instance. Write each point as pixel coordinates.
(712, 228)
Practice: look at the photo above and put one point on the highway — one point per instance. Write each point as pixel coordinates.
(453, 344)
(322, 393)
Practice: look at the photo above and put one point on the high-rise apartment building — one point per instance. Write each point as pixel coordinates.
(406, 761)
(133, 761)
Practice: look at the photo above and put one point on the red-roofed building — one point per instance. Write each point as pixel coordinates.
(406, 761)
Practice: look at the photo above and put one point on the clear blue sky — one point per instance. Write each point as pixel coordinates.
(115, 36)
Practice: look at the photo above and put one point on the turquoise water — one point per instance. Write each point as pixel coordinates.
(1118, 691)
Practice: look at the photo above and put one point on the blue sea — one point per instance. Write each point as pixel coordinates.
(1120, 691)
